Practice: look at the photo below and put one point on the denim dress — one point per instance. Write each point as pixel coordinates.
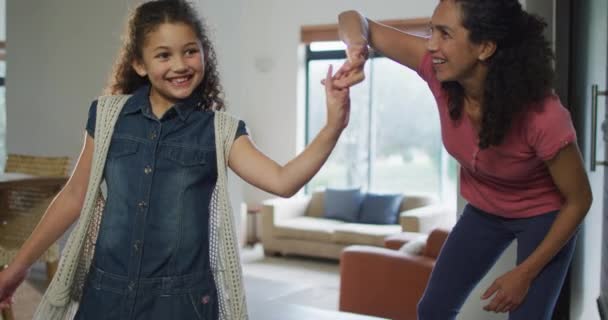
(152, 253)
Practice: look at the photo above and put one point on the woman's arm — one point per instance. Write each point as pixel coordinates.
(569, 175)
(259, 170)
(358, 32)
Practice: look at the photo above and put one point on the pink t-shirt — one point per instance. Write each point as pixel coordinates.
(510, 180)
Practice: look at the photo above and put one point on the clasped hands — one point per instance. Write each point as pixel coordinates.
(351, 72)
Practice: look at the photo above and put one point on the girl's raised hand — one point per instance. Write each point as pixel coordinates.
(338, 103)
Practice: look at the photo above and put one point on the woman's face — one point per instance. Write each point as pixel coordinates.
(455, 57)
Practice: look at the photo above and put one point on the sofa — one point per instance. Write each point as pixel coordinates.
(387, 282)
(297, 225)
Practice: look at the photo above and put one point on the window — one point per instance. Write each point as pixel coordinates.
(393, 141)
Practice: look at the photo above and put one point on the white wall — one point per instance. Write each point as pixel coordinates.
(58, 59)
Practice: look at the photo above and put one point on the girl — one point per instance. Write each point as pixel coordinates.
(163, 246)
(489, 68)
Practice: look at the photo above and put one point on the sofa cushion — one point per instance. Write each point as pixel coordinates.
(368, 234)
(396, 241)
(342, 204)
(380, 208)
(307, 228)
(414, 247)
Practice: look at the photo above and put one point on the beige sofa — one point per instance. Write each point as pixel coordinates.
(297, 226)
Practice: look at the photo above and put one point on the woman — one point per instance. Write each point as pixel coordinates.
(490, 70)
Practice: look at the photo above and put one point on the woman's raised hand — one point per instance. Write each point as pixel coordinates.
(351, 72)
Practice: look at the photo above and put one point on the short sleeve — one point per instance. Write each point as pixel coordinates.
(92, 118)
(426, 72)
(241, 130)
(550, 128)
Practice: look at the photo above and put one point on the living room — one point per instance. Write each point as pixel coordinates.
(63, 51)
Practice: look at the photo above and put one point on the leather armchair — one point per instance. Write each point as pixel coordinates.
(387, 283)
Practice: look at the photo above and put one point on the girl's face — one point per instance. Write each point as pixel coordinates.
(173, 61)
(455, 57)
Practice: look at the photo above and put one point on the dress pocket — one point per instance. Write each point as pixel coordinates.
(122, 147)
(184, 156)
(187, 165)
(99, 304)
(197, 304)
(121, 156)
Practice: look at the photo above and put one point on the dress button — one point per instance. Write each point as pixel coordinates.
(147, 170)
(142, 204)
(137, 245)
(152, 135)
(131, 285)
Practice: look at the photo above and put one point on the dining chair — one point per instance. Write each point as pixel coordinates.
(23, 204)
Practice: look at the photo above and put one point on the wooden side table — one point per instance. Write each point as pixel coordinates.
(253, 211)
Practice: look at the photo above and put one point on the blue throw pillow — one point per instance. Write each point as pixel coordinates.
(342, 204)
(380, 208)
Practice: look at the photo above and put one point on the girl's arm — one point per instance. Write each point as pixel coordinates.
(60, 214)
(570, 177)
(358, 32)
(259, 170)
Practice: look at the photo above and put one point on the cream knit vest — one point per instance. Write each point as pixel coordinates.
(60, 302)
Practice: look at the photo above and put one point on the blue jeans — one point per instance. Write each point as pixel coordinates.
(472, 248)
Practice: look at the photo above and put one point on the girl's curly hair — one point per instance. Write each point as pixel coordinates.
(147, 18)
(520, 72)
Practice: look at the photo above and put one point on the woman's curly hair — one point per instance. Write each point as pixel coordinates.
(520, 72)
(147, 18)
